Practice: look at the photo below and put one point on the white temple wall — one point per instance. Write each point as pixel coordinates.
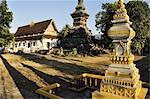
(52, 43)
(29, 46)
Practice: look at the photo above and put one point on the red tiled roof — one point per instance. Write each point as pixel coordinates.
(35, 29)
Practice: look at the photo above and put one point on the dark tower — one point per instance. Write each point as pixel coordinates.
(79, 36)
(79, 16)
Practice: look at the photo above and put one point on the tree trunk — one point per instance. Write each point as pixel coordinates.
(139, 51)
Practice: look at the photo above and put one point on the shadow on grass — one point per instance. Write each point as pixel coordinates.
(144, 69)
(66, 58)
(68, 68)
(64, 90)
(48, 78)
(25, 86)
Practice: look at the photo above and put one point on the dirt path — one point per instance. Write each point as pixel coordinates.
(71, 66)
(28, 72)
(31, 72)
(28, 78)
(8, 89)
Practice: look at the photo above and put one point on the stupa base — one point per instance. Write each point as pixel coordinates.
(98, 95)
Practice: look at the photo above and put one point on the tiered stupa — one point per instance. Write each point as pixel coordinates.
(79, 36)
(122, 77)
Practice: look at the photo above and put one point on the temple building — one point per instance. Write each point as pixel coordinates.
(36, 36)
(79, 36)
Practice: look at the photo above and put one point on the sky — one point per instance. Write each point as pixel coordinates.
(26, 11)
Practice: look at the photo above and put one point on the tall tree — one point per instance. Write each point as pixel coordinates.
(64, 31)
(103, 22)
(138, 12)
(5, 20)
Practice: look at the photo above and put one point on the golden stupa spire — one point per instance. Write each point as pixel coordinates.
(121, 4)
(121, 12)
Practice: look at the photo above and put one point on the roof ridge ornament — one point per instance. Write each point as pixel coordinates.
(32, 23)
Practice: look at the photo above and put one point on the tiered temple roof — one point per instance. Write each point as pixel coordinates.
(34, 30)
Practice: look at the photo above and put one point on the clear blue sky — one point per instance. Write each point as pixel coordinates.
(25, 11)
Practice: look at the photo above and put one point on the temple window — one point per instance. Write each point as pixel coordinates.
(48, 44)
(16, 45)
(19, 44)
(34, 43)
(29, 45)
(23, 43)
